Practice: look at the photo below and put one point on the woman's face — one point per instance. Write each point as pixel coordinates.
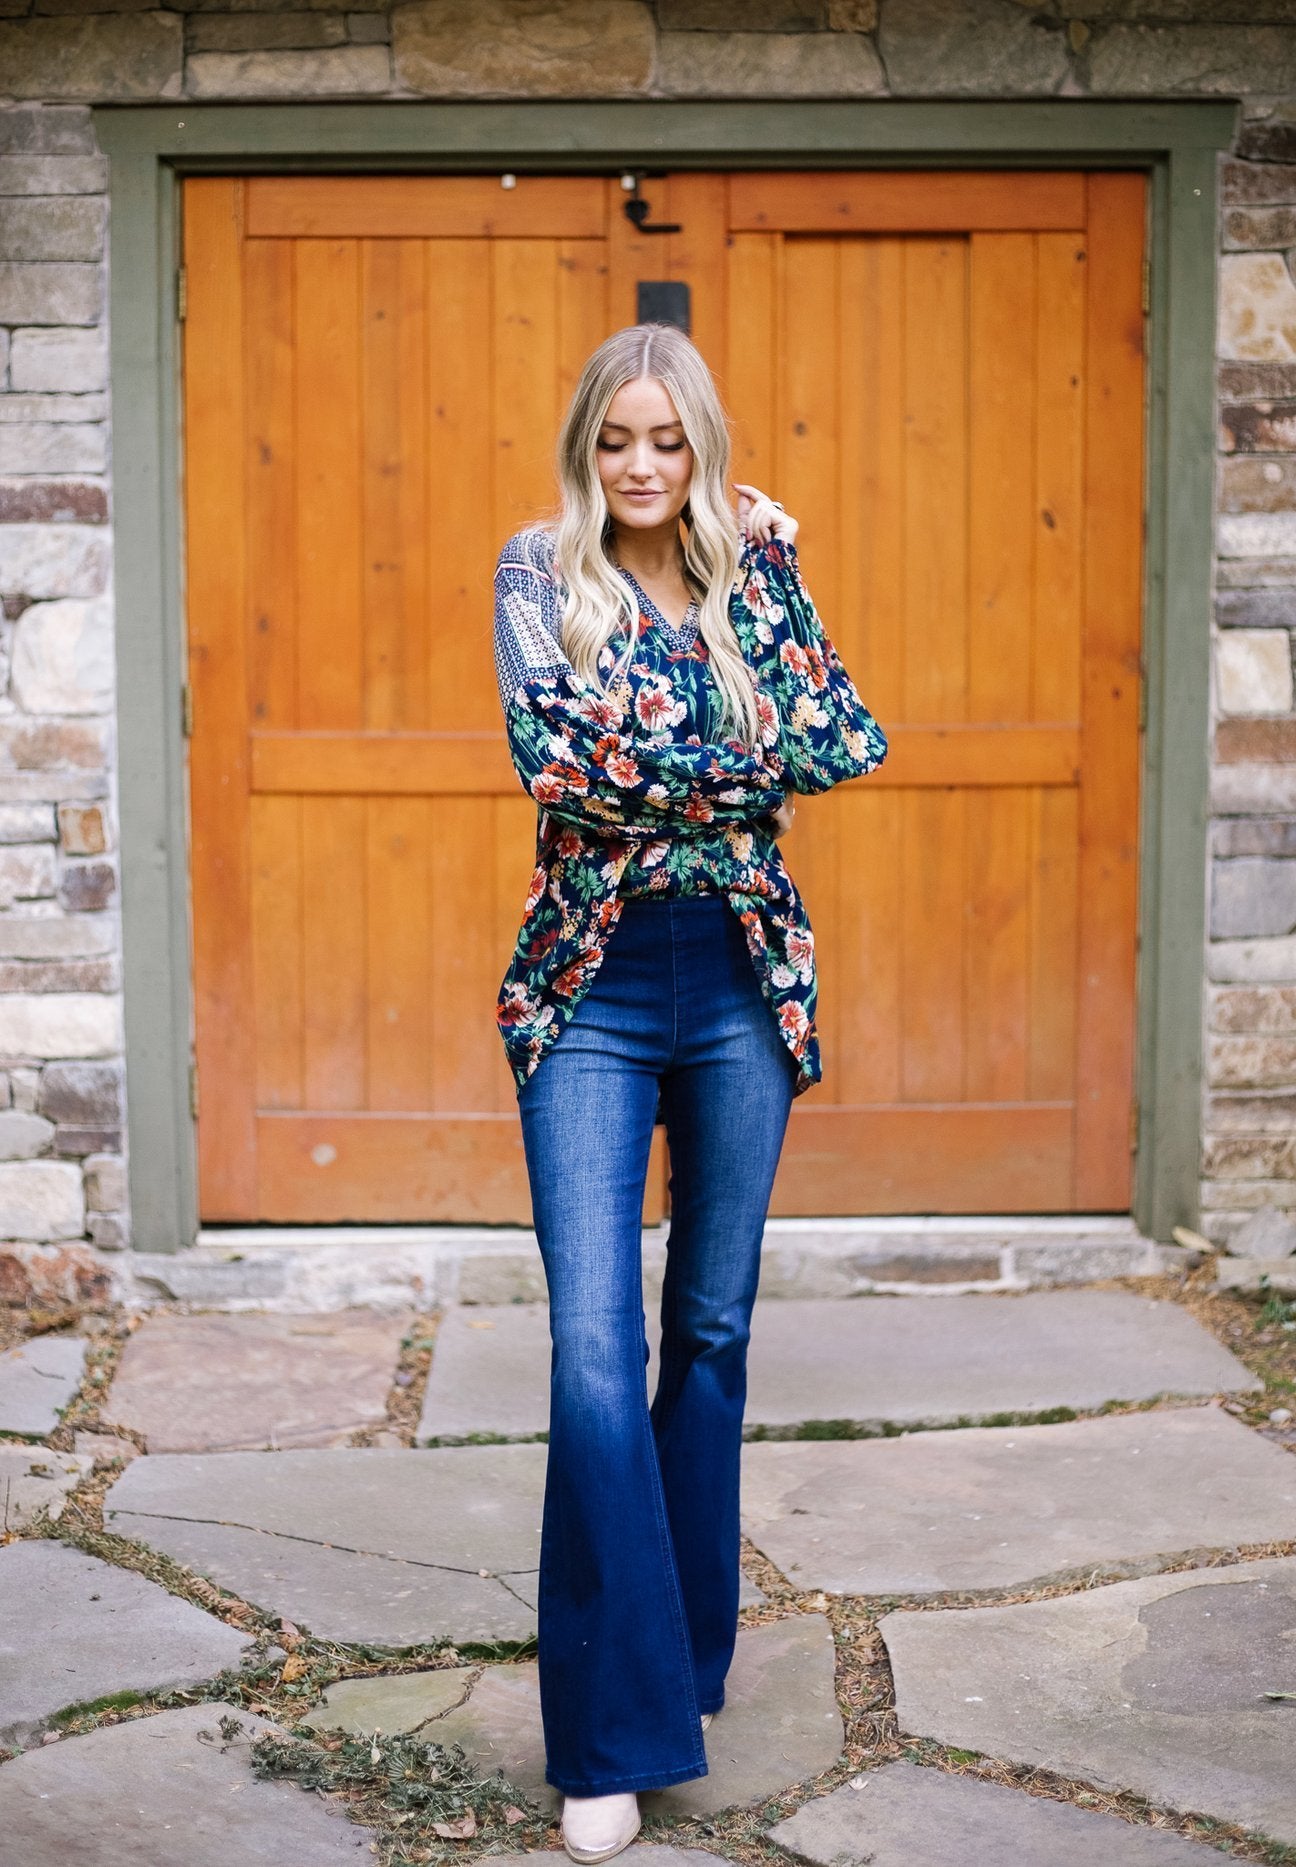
(644, 460)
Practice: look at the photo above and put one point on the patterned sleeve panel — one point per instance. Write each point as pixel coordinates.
(525, 616)
(823, 732)
(575, 748)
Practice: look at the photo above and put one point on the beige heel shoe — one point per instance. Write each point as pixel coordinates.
(707, 1716)
(594, 1828)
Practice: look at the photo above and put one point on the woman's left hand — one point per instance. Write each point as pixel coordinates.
(762, 517)
(781, 819)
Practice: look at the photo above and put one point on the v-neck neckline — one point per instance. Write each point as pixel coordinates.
(683, 632)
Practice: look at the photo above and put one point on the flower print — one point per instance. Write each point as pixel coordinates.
(652, 853)
(767, 717)
(795, 1023)
(569, 843)
(755, 932)
(805, 713)
(740, 842)
(601, 708)
(546, 788)
(818, 671)
(795, 657)
(572, 977)
(697, 810)
(656, 706)
(516, 1006)
(621, 769)
(782, 975)
(758, 596)
(800, 949)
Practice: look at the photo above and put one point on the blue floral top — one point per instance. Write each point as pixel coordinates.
(637, 797)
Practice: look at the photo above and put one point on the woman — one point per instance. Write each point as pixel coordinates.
(665, 695)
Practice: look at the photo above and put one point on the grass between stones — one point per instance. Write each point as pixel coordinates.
(427, 1805)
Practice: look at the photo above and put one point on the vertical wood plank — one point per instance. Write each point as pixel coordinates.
(401, 959)
(329, 484)
(524, 377)
(1059, 477)
(334, 976)
(1001, 446)
(933, 943)
(395, 555)
(998, 945)
(700, 201)
(271, 510)
(1109, 779)
(460, 524)
(464, 982)
(1054, 913)
(809, 481)
(276, 914)
(935, 481)
(754, 381)
(870, 1013)
(216, 483)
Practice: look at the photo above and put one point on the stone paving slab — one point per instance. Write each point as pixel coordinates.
(904, 1816)
(151, 1792)
(904, 1360)
(37, 1379)
(229, 1383)
(388, 1545)
(392, 1546)
(32, 1479)
(1004, 1506)
(76, 1628)
(1155, 1686)
(780, 1723)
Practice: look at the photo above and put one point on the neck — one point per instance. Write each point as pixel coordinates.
(655, 552)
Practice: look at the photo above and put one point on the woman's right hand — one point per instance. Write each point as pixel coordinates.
(781, 818)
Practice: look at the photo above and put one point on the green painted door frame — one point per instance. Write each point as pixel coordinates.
(1177, 143)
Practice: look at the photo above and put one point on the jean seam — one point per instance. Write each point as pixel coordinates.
(683, 1638)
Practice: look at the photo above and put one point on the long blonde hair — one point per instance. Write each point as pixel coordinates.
(598, 598)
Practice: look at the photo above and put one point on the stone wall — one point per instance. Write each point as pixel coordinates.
(61, 1112)
(1249, 1155)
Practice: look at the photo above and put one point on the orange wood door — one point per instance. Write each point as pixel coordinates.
(941, 376)
(950, 396)
(374, 373)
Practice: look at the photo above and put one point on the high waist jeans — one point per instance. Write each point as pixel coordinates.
(639, 1548)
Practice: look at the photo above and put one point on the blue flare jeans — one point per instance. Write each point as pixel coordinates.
(639, 1546)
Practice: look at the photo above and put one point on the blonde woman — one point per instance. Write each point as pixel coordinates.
(667, 688)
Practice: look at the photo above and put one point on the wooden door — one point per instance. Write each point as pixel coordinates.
(957, 415)
(941, 375)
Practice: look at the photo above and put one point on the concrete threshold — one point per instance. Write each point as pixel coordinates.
(320, 1268)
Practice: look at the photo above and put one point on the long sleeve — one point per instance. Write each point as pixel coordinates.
(573, 747)
(825, 733)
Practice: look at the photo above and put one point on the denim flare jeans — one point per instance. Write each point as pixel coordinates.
(639, 1547)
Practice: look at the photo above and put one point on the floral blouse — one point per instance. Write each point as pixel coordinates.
(637, 797)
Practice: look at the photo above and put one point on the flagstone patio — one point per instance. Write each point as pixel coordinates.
(1153, 1685)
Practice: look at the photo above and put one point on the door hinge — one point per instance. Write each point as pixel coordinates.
(193, 1090)
(1146, 289)
(182, 294)
(186, 710)
(1133, 1126)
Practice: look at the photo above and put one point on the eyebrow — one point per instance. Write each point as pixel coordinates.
(624, 428)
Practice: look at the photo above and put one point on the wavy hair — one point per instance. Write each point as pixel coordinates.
(598, 600)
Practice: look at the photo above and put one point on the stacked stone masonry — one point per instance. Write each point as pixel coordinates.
(62, 1115)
